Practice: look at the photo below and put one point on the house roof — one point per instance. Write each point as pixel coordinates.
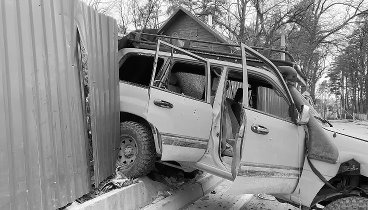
(180, 11)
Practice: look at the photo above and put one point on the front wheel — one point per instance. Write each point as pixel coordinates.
(137, 152)
(348, 203)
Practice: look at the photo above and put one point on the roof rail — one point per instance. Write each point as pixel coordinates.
(149, 41)
(147, 38)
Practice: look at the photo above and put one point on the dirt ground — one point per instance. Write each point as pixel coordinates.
(219, 199)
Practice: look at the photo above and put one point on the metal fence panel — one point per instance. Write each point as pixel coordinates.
(43, 139)
(100, 37)
(269, 101)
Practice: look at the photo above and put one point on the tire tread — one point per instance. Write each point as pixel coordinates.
(353, 202)
(145, 163)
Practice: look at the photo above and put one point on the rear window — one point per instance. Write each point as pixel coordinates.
(138, 69)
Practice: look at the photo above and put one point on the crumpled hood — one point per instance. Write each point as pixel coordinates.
(351, 140)
(354, 132)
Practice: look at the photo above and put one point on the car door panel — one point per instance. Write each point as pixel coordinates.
(211, 162)
(271, 147)
(183, 122)
(270, 162)
(281, 135)
(184, 128)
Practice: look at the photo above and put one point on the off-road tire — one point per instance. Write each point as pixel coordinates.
(348, 203)
(146, 154)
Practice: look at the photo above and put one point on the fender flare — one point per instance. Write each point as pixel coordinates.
(142, 119)
(348, 168)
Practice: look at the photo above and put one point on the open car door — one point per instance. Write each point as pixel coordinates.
(266, 148)
(213, 162)
(179, 104)
(272, 144)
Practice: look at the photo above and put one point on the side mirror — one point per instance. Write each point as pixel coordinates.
(304, 115)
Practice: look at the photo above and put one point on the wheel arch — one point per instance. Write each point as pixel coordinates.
(126, 116)
(349, 181)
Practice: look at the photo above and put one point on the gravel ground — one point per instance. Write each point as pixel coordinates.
(218, 199)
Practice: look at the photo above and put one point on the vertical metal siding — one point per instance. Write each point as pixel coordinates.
(43, 152)
(104, 86)
(271, 102)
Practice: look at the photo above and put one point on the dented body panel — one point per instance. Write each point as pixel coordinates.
(277, 172)
(253, 184)
(186, 125)
(133, 99)
(270, 160)
(320, 146)
(338, 148)
(349, 148)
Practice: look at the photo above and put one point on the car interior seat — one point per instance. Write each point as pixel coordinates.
(236, 106)
(173, 84)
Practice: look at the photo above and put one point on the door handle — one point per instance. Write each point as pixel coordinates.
(163, 104)
(259, 129)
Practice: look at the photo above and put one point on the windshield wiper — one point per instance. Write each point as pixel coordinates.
(323, 120)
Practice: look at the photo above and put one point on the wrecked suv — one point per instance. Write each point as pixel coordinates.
(244, 121)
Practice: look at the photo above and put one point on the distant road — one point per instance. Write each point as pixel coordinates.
(358, 128)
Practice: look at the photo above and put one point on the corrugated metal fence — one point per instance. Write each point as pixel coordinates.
(269, 101)
(44, 161)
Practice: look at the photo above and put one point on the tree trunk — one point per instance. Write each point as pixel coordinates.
(366, 93)
(242, 6)
(312, 90)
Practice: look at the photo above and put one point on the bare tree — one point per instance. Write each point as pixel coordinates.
(102, 6)
(349, 73)
(123, 13)
(145, 15)
(317, 30)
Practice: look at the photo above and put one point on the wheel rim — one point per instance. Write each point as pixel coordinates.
(128, 151)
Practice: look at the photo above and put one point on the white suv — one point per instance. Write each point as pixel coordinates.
(245, 122)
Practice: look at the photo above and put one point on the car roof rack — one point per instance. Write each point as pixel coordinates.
(142, 40)
(151, 39)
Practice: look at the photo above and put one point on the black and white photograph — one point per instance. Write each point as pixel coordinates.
(183, 104)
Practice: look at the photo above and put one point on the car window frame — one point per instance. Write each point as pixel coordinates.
(271, 81)
(167, 70)
(124, 57)
(277, 88)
